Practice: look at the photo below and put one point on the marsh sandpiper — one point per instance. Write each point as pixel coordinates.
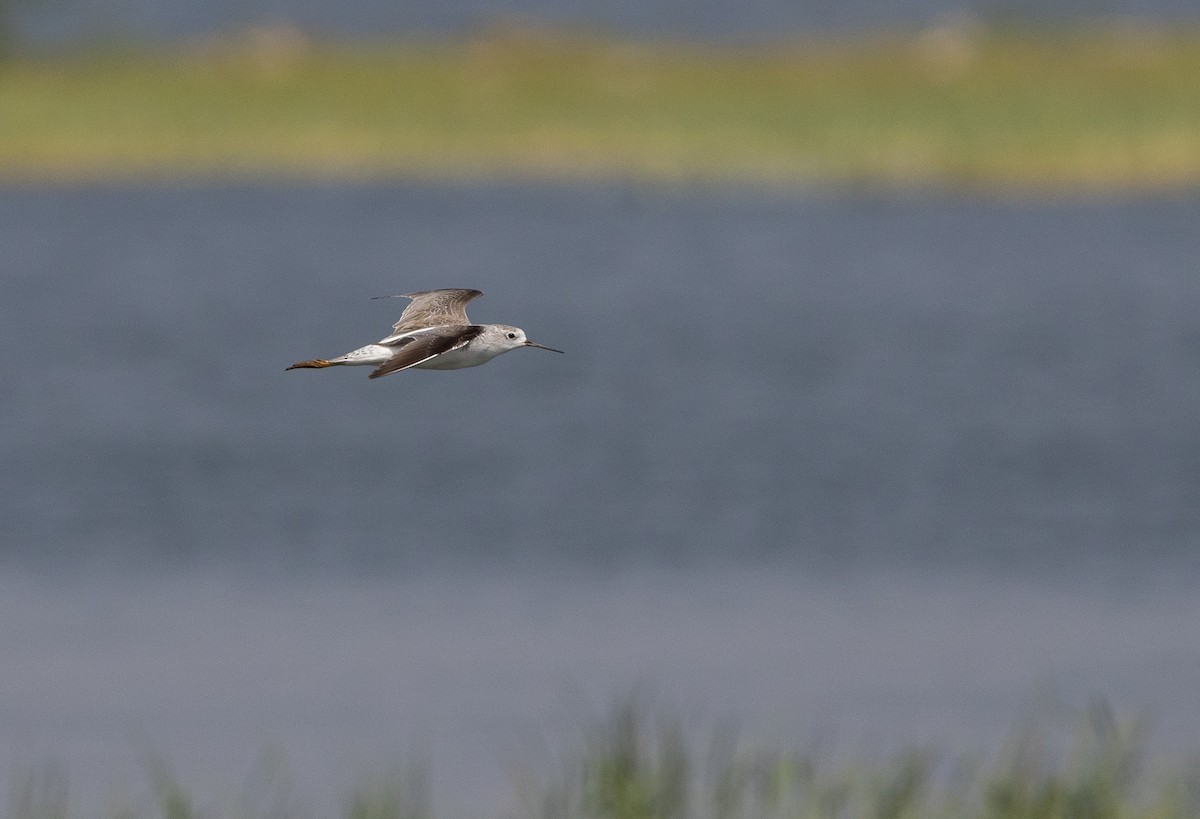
(433, 333)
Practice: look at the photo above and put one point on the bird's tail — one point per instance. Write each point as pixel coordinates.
(313, 364)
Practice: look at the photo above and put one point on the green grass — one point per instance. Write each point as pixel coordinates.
(637, 767)
(1103, 109)
(634, 764)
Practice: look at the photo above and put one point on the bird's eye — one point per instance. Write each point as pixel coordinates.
(512, 335)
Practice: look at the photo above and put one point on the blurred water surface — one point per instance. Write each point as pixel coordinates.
(815, 381)
(89, 20)
(304, 689)
(874, 467)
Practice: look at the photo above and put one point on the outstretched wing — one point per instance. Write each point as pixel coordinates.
(430, 308)
(422, 346)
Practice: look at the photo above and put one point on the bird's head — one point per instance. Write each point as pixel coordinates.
(513, 337)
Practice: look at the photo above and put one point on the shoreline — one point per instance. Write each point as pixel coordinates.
(957, 109)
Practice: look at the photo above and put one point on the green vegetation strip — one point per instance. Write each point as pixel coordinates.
(1108, 110)
(633, 764)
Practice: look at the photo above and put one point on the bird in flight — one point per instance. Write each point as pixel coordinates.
(433, 333)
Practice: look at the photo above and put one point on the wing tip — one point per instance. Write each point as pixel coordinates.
(468, 292)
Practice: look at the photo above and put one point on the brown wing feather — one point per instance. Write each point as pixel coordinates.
(430, 308)
(420, 348)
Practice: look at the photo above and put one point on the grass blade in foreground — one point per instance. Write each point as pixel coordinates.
(635, 764)
(638, 766)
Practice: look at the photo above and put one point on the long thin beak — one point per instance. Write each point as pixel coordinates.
(540, 346)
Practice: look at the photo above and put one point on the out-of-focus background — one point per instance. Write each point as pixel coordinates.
(876, 428)
(74, 21)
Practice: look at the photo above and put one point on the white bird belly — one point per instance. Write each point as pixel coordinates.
(469, 356)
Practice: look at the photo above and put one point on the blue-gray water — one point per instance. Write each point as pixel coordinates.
(820, 382)
(871, 468)
(91, 21)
